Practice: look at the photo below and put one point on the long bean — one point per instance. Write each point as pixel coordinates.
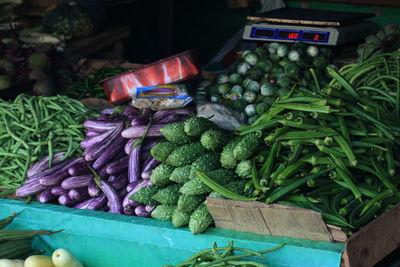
(34, 127)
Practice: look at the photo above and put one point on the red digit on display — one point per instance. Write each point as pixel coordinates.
(296, 35)
(316, 37)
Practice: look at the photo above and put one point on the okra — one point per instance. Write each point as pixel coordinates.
(8, 235)
(280, 192)
(15, 248)
(6, 221)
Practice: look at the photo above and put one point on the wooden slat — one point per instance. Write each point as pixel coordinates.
(95, 43)
(274, 219)
(375, 240)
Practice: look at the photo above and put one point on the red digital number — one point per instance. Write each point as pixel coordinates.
(316, 37)
(293, 35)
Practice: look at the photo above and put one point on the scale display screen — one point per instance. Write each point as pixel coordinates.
(265, 33)
(285, 34)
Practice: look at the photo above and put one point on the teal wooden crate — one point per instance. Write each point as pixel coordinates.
(102, 239)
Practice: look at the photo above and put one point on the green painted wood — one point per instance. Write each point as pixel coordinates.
(102, 239)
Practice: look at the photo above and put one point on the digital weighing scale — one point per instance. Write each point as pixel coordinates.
(309, 25)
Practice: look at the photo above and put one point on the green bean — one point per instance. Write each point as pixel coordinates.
(383, 176)
(297, 125)
(342, 81)
(348, 207)
(336, 201)
(346, 177)
(254, 176)
(220, 189)
(304, 135)
(308, 107)
(285, 190)
(336, 220)
(369, 215)
(268, 165)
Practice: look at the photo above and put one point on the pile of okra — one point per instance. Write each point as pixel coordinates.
(32, 127)
(16, 244)
(336, 150)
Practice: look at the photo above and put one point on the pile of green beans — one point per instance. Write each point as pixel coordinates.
(89, 85)
(377, 78)
(225, 256)
(32, 127)
(335, 151)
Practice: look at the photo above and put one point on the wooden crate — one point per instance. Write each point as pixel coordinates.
(363, 249)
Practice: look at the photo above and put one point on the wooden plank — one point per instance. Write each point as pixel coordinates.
(95, 43)
(375, 240)
(274, 219)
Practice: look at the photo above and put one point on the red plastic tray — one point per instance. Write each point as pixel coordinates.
(169, 70)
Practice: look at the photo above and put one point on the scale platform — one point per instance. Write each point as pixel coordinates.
(321, 27)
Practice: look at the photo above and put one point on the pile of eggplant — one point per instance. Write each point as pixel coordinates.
(116, 163)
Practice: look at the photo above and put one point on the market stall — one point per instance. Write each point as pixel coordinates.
(283, 156)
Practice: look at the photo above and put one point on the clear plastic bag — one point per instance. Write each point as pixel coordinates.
(161, 97)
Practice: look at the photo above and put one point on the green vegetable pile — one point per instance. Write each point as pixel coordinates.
(334, 151)
(89, 86)
(225, 256)
(32, 127)
(265, 73)
(190, 146)
(17, 243)
(386, 40)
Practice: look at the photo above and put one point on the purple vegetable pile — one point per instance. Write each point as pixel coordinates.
(111, 154)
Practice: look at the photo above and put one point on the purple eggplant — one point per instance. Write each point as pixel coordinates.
(30, 189)
(118, 166)
(100, 126)
(93, 189)
(58, 176)
(134, 164)
(97, 203)
(131, 111)
(144, 156)
(132, 186)
(51, 170)
(58, 190)
(77, 181)
(112, 196)
(107, 111)
(126, 201)
(143, 118)
(45, 196)
(159, 115)
(79, 169)
(84, 204)
(148, 167)
(141, 211)
(118, 181)
(78, 194)
(128, 146)
(148, 145)
(94, 152)
(112, 150)
(66, 201)
(103, 173)
(43, 164)
(172, 119)
(128, 210)
(90, 134)
(95, 140)
(150, 208)
(138, 131)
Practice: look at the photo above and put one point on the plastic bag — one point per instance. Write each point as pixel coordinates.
(221, 115)
(161, 97)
